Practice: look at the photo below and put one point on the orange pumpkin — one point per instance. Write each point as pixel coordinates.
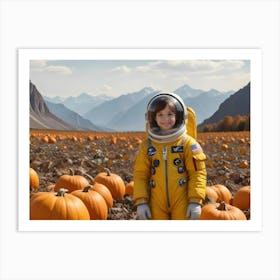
(210, 164)
(244, 164)
(34, 180)
(57, 206)
(45, 139)
(104, 191)
(218, 193)
(211, 194)
(224, 147)
(52, 139)
(71, 182)
(221, 211)
(113, 182)
(241, 198)
(129, 187)
(94, 202)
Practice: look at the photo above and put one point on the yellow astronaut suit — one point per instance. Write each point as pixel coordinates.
(169, 170)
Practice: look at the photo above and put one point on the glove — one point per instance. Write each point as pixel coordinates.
(193, 211)
(143, 211)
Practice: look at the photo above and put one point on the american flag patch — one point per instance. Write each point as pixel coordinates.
(196, 148)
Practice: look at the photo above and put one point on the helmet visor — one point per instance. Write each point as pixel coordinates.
(165, 102)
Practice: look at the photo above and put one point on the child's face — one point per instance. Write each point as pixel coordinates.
(165, 118)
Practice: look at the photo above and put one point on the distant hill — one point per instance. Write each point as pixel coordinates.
(133, 119)
(206, 103)
(71, 117)
(109, 111)
(237, 104)
(85, 102)
(40, 116)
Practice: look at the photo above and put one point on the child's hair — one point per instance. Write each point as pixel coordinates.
(162, 102)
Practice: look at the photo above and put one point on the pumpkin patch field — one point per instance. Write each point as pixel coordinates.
(96, 169)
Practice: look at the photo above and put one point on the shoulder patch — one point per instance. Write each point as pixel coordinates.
(196, 148)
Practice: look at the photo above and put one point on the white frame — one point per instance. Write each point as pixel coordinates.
(24, 57)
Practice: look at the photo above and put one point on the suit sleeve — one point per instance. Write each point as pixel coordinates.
(141, 175)
(196, 169)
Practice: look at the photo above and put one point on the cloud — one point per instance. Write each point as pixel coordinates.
(192, 66)
(203, 74)
(121, 69)
(35, 64)
(42, 66)
(170, 74)
(59, 69)
(106, 88)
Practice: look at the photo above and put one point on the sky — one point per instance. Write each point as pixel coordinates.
(66, 78)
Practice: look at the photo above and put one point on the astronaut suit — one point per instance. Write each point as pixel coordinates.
(169, 172)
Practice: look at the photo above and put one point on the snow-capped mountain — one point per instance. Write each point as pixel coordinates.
(116, 108)
(56, 99)
(81, 103)
(186, 91)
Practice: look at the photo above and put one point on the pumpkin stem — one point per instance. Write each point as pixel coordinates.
(90, 177)
(61, 192)
(108, 171)
(87, 188)
(71, 171)
(222, 206)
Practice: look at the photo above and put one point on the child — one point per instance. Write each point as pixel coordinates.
(169, 172)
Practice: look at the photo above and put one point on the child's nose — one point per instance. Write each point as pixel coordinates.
(167, 117)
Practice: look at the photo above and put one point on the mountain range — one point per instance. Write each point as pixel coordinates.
(127, 112)
(80, 104)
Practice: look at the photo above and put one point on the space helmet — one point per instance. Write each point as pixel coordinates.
(158, 103)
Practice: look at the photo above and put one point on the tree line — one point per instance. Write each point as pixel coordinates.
(229, 123)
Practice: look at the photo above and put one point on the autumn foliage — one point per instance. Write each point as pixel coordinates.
(229, 123)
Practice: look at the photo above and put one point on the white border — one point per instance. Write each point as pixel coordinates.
(24, 57)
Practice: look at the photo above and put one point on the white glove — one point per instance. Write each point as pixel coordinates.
(143, 211)
(193, 211)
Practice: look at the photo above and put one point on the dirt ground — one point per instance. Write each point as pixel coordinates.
(228, 160)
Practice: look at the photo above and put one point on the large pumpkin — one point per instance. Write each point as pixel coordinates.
(71, 182)
(241, 198)
(57, 206)
(211, 194)
(113, 182)
(218, 193)
(221, 211)
(33, 179)
(94, 202)
(104, 191)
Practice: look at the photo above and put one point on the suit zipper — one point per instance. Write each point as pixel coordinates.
(166, 175)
